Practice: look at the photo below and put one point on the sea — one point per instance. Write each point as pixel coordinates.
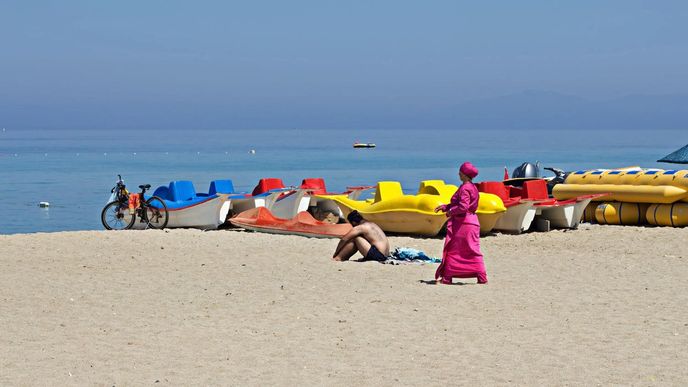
(74, 170)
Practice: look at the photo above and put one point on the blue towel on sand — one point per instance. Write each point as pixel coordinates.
(406, 255)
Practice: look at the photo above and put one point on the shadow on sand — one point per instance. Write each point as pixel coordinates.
(433, 282)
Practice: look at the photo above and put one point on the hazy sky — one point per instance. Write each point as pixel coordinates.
(157, 60)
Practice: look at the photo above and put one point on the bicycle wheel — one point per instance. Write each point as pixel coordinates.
(156, 213)
(116, 216)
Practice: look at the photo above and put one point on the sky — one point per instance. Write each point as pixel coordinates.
(162, 63)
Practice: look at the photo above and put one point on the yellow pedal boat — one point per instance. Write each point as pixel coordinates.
(396, 212)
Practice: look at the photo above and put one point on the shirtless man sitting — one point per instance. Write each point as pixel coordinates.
(365, 237)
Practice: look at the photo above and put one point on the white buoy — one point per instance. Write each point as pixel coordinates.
(252, 151)
(44, 204)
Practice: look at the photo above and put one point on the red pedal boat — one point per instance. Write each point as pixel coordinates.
(262, 220)
(531, 200)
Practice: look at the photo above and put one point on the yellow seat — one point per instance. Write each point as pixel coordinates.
(431, 187)
(387, 190)
(437, 187)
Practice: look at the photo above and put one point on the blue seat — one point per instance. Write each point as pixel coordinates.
(221, 186)
(162, 192)
(182, 190)
(180, 194)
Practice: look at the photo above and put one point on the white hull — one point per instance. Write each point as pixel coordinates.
(287, 206)
(243, 204)
(206, 215)
(516, 219)
(566, 216)
(283, 204)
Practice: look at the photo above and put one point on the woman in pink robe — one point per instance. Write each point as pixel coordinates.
(462, 257)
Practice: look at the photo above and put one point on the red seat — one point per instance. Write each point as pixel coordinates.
(267, 184)
(495, 188)
(498, 188)
(515, 192)
(315, 185)
(535, 189)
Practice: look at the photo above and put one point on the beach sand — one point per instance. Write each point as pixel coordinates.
(597, 305)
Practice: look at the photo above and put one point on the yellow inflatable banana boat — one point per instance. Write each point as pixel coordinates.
(620, 213)
(672, 215)
(415, 214)
(629, 186)
(623, 213)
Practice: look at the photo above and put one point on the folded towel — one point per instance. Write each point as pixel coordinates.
(406, 255)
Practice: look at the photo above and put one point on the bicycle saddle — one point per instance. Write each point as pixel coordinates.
(147, 186)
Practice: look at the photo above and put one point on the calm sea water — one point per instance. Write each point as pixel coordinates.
(74, 170)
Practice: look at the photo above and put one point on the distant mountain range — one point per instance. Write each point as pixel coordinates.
(531, 109)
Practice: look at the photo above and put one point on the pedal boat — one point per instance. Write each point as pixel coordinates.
(490, 207)
(519, 213)
(188, 209)
(283, 202)
(318, 202)
(286, 202)
(396, 212)
(261, 219)
(559, 213)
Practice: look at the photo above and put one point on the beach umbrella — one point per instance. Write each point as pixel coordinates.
(679, 157)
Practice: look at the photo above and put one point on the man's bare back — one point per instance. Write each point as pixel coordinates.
(365, 237)
(375, 236)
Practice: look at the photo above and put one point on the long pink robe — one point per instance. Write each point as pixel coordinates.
(462, 257)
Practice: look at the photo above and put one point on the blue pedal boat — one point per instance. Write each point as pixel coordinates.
(190, 209)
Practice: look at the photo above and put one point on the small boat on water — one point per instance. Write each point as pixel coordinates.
(364, 145)
(260, 219)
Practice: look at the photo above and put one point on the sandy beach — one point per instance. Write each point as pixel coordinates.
(598, 305)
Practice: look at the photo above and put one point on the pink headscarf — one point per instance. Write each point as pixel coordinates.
(469, 169)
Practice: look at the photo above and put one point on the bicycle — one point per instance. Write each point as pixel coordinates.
(118, 215)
